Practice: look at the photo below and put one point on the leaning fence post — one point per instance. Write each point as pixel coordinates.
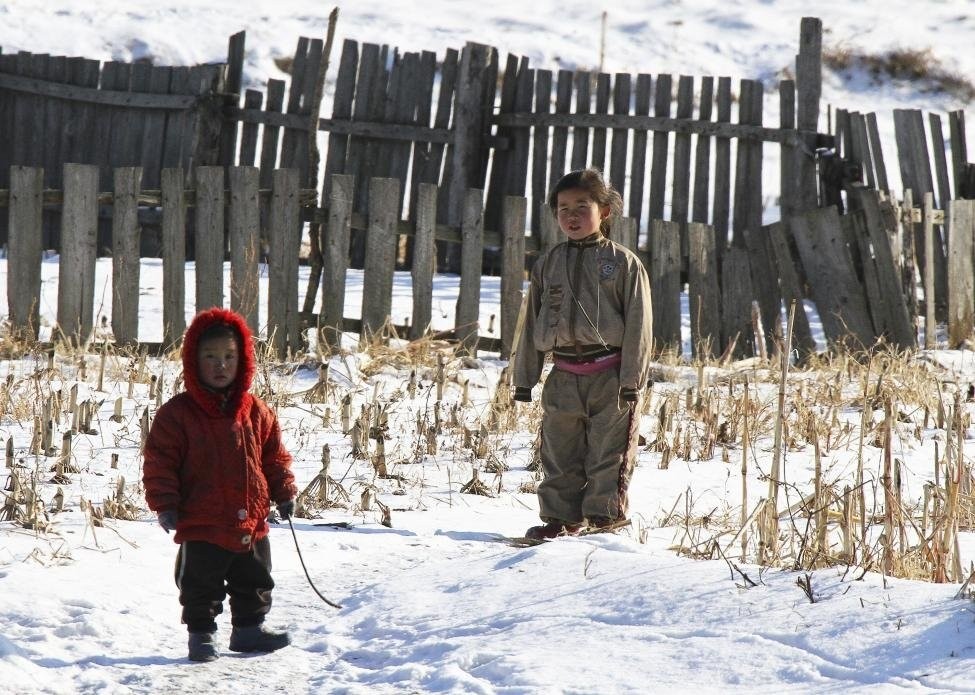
(512, 268)
(25, 252)
(76, 269)
(380, 264)
(335, 254)
(125, 255)
(208, 244)
(244, 222)
(285, 232)
(174, 255)
(471, 257)
(424, 258)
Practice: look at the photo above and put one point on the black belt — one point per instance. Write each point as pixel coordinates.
(586, 353)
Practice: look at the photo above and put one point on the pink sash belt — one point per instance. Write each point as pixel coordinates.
(600, 364)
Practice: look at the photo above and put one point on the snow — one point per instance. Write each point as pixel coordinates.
(436, 602)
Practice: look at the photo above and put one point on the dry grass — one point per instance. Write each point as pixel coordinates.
(917, 66)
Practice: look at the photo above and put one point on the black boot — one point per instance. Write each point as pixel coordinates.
(202, 647)
(257, 638)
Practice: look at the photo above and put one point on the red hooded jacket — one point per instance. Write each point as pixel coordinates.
(217, 459)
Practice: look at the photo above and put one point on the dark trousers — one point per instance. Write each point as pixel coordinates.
(207, 573)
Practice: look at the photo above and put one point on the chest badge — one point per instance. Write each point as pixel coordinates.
(607, 268)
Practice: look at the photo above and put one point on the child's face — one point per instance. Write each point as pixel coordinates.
(217, 359)
(578, 214)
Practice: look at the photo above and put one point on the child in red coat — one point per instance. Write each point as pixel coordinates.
(214, 461)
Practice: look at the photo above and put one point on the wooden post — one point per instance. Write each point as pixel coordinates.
(809, 86)
(24, 253)
(244, 222)
(76, 269)
(335, 252)
(512, 268)
(961, 306)
(209, 241)
(468, 159)
(550, 234)
(705, 295)
(424, 258)
(285, 235)
(665, 285)
(174, 255)
(471, 255)
(930, 323)
(380, 261)
(126, 256)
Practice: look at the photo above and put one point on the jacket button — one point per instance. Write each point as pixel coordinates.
(245, 539)
(242, 514)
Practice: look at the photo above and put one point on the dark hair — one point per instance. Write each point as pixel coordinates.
(219, 330)
(591, 181)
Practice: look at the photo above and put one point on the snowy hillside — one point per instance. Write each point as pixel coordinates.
(435, 601)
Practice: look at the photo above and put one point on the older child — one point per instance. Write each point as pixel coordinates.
(213, 462)
(589, 305)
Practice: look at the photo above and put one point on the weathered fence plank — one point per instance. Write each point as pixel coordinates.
(737, 295)
(424, 259)
(638, 163)
(253, 99)
(658, 162)
(680, 193)
(809, 87)
(335, 252)
(208, 244)
(880, 167)
(720, 212)
(580, 134)
(829, 270)
(961, 289)
(244, 226)
(598, 158)
(560, 134)
(702, 155)
(898, 328)
(24, 250)
(472, 250)
(959, 146)
(540, 154)
(125, 255)
(665, 284)
(380, 259)
(703, 291)
(272, 133)
(174, 254)
(787, 270)
(617, 157)
(512, 268)
(285, 243)
(76, 266)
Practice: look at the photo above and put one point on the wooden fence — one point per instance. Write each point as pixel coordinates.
(855, 278)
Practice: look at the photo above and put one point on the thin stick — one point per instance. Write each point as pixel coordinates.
(308, 576)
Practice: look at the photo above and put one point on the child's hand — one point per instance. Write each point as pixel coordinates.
(522, 394)
(629, 395)
(168, 520)
(286, 509)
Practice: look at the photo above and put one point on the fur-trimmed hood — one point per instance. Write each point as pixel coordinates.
(236, 401)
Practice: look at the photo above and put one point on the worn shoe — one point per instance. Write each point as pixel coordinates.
(257, 638)
(201, 647)
(595, 524)
(553, 529)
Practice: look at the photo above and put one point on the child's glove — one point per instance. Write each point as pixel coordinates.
(168, 520)
(522, 394)
(286, 509)
(630, 395)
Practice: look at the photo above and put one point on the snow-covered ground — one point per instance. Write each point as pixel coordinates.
(434, 602)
